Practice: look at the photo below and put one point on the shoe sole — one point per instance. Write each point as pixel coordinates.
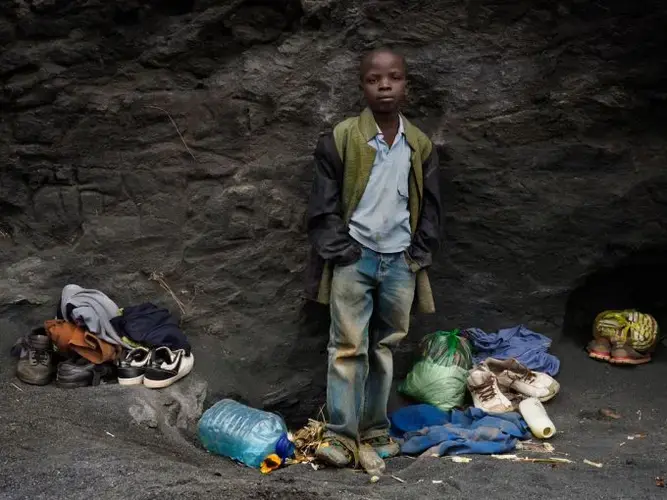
(547, 398)
(161, 384)
(72, 385)
(131, 380)
(629, 361)
(30, 381)
(599, 356)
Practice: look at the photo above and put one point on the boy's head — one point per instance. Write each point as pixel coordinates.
(383, 80)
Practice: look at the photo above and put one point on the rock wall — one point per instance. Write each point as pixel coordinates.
(166, 143)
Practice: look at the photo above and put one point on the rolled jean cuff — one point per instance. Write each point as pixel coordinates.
(373, 434)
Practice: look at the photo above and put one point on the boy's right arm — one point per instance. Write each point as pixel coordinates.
(327, 230)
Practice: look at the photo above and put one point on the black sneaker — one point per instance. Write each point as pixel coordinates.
(167, 366)
(132, 366)
(79, 372)
(35, 365)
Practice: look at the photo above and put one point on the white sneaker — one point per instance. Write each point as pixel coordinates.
(167, 366)
(513, 375)
(132, 366)
(486, 394)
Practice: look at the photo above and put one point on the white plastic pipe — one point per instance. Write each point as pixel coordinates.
(536, 417)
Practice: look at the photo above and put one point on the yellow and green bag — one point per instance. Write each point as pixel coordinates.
(627, 327)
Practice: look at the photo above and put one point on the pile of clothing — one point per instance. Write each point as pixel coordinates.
(427, 430)
(91, 341)
(510, 365)
(498, 369)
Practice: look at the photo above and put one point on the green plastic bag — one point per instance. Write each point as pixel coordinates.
(447, 348)
(439, 378)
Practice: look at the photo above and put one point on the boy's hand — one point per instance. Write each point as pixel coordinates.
(412, 265)
(349, 257)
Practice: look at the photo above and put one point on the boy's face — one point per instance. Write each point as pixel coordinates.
(383, 82)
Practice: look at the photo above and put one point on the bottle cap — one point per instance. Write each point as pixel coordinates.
(284, 447)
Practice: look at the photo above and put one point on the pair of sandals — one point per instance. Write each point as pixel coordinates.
(603, 350)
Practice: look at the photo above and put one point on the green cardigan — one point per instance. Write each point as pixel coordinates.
(351, 137)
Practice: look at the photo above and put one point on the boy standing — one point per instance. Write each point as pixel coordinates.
(374, 223)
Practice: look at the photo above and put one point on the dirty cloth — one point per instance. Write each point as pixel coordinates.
(150, 326)
(527, 347)
(69, 337)
(424, 429)
(92, 310)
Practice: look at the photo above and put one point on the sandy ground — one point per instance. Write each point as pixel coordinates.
(84, 443)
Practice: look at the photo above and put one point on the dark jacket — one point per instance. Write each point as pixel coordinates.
(151, 326)
(342, 165)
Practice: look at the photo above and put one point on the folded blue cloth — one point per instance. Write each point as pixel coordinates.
(425, 428)
(527, 347)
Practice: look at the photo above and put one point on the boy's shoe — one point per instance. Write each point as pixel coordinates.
(132, 366)
(486, 394)
(336, 451)
(370, 461)
(35, 365)
(79, 372)
(600, 349)
(383, 445)
(625, 355)
(513, 375)
(166, 367)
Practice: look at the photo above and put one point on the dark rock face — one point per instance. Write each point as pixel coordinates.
(172, 139)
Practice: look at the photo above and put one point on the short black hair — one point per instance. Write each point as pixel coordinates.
(368, 57)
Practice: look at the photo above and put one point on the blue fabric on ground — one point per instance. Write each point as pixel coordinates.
(527, 347)
(425, 428)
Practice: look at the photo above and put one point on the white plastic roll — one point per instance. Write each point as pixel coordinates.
(536, 417)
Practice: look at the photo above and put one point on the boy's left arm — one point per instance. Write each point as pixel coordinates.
(426, 240)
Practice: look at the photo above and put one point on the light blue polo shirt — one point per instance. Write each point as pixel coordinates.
(381, 220)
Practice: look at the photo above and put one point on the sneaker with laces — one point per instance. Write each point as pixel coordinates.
(166, 366)
(513, 375)
(132, 366)
(35, 365)
(486, 394)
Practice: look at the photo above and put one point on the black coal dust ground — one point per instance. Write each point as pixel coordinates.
(84, 443)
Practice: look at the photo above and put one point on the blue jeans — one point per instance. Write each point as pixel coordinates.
(380, 287)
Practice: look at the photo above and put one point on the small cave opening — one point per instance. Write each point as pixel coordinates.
(637, 281)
